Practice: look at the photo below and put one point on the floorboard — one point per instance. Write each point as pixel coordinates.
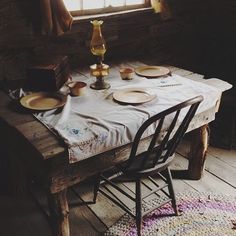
(104, 209)
(22, 217)
(227, 156)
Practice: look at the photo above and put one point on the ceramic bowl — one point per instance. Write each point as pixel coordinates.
(77, 88)
(127, 73)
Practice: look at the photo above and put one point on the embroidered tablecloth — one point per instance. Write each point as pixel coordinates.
(94, 123)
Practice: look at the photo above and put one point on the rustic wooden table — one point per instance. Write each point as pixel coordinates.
(34, 150)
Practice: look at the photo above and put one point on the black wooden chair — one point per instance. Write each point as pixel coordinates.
(170, 127)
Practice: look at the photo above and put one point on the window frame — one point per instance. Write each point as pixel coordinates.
(105, 10)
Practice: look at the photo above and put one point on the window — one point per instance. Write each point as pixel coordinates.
(86, 7)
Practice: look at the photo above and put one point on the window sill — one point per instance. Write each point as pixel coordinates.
(78, 19)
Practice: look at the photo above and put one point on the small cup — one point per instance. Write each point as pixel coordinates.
(127, 73)
(77, 88)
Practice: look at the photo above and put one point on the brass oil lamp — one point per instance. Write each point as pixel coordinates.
(98, 49)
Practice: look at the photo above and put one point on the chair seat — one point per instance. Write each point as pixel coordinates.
(134, 169)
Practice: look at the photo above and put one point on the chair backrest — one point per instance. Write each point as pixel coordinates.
(168, 133)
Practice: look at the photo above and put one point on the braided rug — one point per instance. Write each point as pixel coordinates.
(201, 214)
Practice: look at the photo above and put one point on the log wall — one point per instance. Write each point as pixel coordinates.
(198, 37)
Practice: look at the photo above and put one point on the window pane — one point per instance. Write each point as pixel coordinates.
(72, 5)
(115, 3)
(77, 5)
(133, 2)
(93, 4)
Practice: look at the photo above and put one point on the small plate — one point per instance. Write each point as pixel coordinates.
(133, 96)
(42, 101)
(152, 71)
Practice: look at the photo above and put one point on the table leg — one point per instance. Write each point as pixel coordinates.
(197, 154)
(59, 213)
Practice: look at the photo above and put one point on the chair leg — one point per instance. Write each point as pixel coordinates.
(171, 190)
(96, 188)
(138, 203)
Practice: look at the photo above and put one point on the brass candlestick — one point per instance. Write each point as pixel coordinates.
(98, 48)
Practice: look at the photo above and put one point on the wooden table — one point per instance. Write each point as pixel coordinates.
(33, 149)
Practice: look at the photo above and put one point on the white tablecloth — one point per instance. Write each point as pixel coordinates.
(94, 123)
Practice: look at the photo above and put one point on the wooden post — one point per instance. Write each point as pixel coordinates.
(197, 154)
(59, 213)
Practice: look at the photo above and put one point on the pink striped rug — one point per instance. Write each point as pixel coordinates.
(201, 214)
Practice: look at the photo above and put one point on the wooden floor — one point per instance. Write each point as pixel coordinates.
(21, 216)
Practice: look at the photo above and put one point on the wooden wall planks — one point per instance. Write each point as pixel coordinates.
(199, 37)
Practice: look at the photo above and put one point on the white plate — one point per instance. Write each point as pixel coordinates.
(133, 96)
(152, 71)
(43, 101)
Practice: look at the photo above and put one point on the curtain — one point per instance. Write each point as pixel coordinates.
(162, 7)
(55, 18)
